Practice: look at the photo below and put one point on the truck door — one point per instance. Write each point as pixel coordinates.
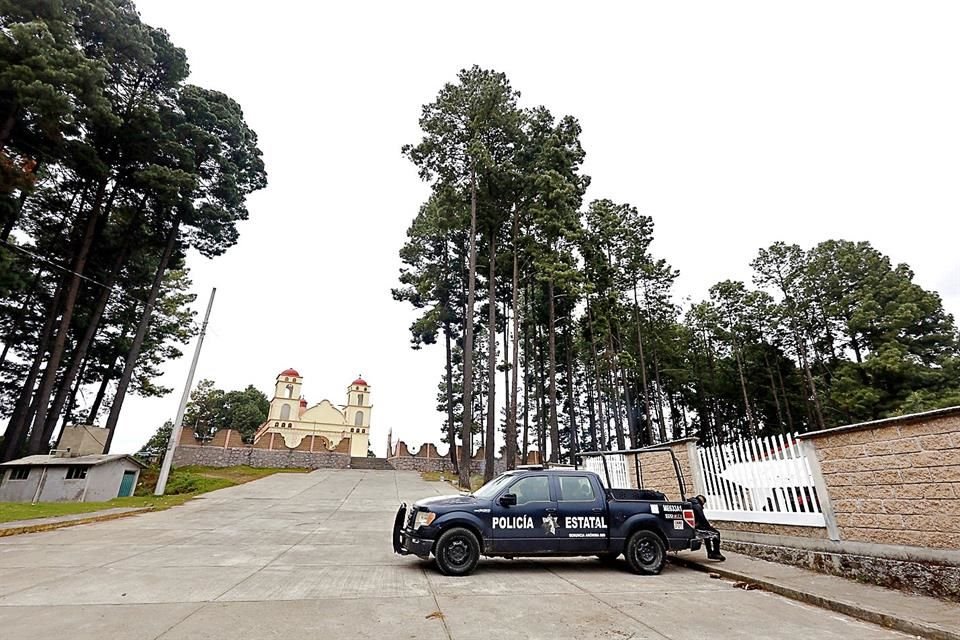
(529, 525)
(583, 517)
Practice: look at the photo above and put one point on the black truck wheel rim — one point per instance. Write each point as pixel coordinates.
(458, 552)
(647, 552)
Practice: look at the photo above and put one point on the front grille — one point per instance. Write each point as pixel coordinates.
(411, 517)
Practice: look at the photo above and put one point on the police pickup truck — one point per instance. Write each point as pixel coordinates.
(539, 511)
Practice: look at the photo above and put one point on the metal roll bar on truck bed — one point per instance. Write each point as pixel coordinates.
(636, 464)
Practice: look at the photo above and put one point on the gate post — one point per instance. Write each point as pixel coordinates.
(699, 483)
(809, 451)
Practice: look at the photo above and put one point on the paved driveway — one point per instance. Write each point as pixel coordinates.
(308, 556)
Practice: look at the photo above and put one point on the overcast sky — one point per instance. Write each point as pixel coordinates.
(733, 124)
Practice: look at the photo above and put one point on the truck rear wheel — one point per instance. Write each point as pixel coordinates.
(645, 553)
(457, 552)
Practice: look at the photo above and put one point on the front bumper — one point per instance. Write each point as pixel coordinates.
(405, 540)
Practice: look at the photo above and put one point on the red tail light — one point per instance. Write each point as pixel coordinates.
(688, 517)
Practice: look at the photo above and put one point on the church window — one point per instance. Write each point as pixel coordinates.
(285, 412)
(358, 419)
(288, 391)
(276, 424)
(360, 398)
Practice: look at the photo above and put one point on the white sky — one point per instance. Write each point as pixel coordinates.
(733, 124)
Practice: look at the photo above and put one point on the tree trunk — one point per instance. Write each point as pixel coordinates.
(786, 400)
(542, 422)
(604, 441)
(72, 401)
(614, 395)
(511, 434)
(16, 432)
(466, 432)
(818, 412)
(643, 368)
(554, 425)
(526, 380)
(491, 439)
(451, 430)
(743, 387)
(570, 398)
(773, 388)
(36, 443)
(80, 352)
(124, 383)
(591, 415)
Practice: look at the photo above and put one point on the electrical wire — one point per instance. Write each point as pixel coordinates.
(53, 265)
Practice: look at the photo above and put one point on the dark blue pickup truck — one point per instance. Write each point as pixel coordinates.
(537, 511)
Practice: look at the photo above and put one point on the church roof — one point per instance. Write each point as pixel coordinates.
(290, 372)
(360, 382)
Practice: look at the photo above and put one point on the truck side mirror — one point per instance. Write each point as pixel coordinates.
(508, 500)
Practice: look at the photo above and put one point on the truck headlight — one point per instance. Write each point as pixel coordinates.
(424, 518)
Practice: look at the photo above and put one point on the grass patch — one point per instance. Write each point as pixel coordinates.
(184, 484)
(476, 481)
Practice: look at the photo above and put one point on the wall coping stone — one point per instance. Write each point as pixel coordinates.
(670, 443)
(885, 422)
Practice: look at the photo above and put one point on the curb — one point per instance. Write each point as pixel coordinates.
(50, 526)
(912, 627)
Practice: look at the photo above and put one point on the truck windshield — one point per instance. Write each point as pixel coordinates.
(490, 489)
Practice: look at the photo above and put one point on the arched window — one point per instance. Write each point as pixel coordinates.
(288, 392)
(358, 419)
(276, 424)
(285, 412)
(360, 399)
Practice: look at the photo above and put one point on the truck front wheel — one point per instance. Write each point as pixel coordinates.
(645, 553)
(457, 552)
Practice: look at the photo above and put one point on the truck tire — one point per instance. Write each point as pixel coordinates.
(457, 552)
(645, 553)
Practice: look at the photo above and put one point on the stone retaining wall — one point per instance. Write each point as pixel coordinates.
(209, 456)
(925, 577)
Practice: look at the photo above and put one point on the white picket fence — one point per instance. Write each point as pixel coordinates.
(616, 465)
(760, 480)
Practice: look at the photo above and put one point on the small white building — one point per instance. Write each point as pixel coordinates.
(51, 478)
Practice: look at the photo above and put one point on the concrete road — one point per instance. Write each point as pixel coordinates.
(309, 556)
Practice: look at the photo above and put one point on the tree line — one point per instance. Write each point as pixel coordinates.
(563, 306)
(210, 409)
(112, 168)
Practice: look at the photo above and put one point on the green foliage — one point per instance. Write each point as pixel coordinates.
(822, 337)
(211, 409)
(112, 165)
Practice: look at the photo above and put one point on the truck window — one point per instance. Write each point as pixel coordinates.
(576, 489)
(532, 489)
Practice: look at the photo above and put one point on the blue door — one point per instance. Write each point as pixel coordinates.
(582, 512)
(529, 526)
(127, 484)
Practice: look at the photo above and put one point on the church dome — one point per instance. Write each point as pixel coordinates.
(290, 372)
(359, 382)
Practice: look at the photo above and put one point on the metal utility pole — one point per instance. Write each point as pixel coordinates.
(175, 433)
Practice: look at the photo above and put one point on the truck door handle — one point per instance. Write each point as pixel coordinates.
(551, 510)
(598, 510)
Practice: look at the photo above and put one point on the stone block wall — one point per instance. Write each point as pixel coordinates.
(657, 470)
(895, 481)
(226, 449)
(256, 457)
(428, 458)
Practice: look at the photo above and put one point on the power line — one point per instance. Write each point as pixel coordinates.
(54, 265)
